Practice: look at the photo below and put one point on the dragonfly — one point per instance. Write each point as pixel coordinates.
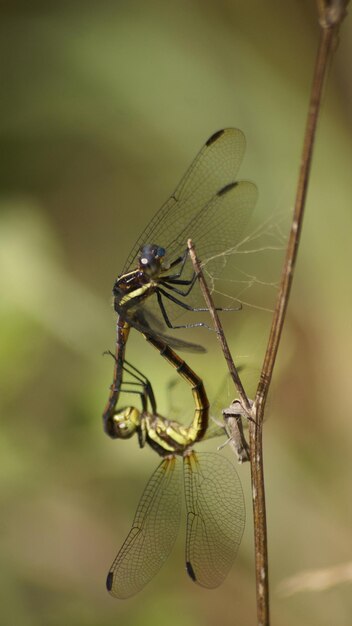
(158, 282)
(213, 493)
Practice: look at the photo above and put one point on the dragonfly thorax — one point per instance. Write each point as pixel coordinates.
(152, 259)
(130, 289)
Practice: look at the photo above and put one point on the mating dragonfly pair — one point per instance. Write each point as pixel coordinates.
(158, 282)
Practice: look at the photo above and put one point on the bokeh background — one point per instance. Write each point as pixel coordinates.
(104, 104)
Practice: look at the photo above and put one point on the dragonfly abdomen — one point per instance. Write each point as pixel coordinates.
(201, 414)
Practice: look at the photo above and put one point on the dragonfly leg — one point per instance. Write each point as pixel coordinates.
(147, 393)
(183, 305)
(141, 380)
(174, 278)
(187, 306)
(180, 259)
(169, 281)
(124, 422)
(176, 290)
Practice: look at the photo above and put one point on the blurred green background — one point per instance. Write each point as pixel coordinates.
(104, 105)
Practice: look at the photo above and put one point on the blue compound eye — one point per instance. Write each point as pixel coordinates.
(161, 251)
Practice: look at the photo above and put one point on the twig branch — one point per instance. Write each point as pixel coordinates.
(331, 14)
(328, 33)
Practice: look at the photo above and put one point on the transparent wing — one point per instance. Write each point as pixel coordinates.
(215, 517)
(153, 532)
(214, 167)
(214, 430)
(220, 223)
(216, 228)
(146, 321)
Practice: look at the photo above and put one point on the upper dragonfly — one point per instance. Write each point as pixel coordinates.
(208, 206)
(157, 282)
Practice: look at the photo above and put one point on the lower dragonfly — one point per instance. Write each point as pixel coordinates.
(213, 493)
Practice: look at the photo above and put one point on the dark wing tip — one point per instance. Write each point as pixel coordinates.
(109, 580)
(190, 571)
(214, 137)
(227, 188)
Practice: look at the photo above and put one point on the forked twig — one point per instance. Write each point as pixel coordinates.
(331, 14)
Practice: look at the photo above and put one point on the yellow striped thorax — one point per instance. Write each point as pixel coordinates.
(133, 287)
(163, 435)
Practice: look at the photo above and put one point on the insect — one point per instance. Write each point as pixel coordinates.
(214, 499)
(158, 282)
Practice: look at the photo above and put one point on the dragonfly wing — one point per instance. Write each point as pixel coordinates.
(153, 532)
(214, 167)
(216, 230)
(214, 430)
(146, 322)
(220, 222)
(215, 517)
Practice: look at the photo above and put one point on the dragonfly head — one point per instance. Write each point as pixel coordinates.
(151, 259)
(124, 424)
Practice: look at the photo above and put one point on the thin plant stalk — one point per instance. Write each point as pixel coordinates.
(331, 14)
